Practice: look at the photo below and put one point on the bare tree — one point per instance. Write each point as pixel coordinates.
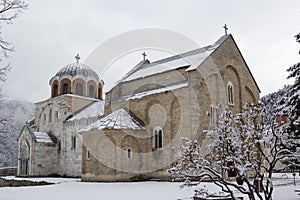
(243, 152)
(9, 10)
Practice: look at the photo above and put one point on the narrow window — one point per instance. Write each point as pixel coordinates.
(91, 91)
(129, 153)
(50, 115)
(59, 147)
(157, 138)
(65, 88)
(88, 155)
(56, 115)
(73, 142)
(230, 93)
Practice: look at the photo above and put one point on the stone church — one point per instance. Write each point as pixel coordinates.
(131, 134)
(157, 103)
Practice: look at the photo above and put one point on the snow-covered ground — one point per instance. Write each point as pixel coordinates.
(76, 190)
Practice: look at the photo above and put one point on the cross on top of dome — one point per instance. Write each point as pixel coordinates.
(77, 57)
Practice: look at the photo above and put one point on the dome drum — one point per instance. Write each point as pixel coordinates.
(78, 79)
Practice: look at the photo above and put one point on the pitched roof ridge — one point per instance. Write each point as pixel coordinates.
(191, 52)
(172, 62)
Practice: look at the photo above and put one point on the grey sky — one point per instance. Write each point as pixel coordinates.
(51, 32)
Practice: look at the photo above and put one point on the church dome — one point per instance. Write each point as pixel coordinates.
(75, 69)
(78, 79)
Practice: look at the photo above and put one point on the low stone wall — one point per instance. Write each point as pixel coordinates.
(19, 183)
(8, 171)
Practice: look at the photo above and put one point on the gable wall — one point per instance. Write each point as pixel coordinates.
(233, 68)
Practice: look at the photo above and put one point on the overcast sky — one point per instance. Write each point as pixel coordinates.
(50, 33)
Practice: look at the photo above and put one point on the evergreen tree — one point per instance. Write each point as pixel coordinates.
(293, 97)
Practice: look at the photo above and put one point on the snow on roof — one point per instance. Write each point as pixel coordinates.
(154, 91)
(42, 137)
(119, 119)
(192, 59)
(77, 69)
(92, 110)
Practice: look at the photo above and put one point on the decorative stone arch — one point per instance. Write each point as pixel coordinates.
(249, 96)
(54, 89)
(233, 77)
(91, 89)
(146, 110)
(79, 87)
(65, 86)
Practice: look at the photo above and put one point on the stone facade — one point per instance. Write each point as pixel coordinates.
(131, 135)
(171, 104)
(49, 144)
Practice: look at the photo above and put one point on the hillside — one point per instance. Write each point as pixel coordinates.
(13, 115)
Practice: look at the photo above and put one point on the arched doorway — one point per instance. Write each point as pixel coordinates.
(24, 159)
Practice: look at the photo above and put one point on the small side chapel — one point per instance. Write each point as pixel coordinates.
(49, 144)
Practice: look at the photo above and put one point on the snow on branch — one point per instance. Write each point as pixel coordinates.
(241, 148)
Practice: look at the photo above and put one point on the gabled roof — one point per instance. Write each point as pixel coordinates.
(26, 126)
(42, 137)
(39, 137)
(94, 109)
(119, 119)
(191, 59)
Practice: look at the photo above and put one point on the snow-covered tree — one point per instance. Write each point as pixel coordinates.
(292, 106)
(242, 153)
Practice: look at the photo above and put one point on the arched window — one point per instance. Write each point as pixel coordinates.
(157, 138)
(129, 153)
(92, 91)
(66, 88)
(55, 90)
(230, 93)
(79, 89)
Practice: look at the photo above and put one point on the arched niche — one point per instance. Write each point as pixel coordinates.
(91, 89)
(54, 89)
(65, 86)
